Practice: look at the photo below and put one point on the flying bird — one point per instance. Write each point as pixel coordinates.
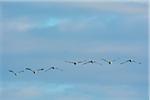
(109, 61)
(130, 61)
(30, 70)
(11, 71)
(92, 62)
(75, 62)
(53, 68)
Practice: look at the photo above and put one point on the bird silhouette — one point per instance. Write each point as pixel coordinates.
(130, 61)
(11, 71)
(109, 61)
(16, 73)
(75, 62)
(30, 70)
(92, 62)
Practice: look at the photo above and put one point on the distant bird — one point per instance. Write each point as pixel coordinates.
(30, 70)
(75, 62)
(92, 62)
(53, 68)
(109, 61)
(11, 71)
(130, 61)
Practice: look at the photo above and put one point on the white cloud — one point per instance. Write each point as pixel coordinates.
(25, 24)
(21, 24)
(70, 24)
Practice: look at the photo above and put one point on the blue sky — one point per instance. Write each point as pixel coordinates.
(40, 34)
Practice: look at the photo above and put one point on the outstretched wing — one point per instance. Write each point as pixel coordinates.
(30, 70)
(124, 62)
(86, 63)
(48, 69)
(81, 61)
(11, 71)
(41, 69)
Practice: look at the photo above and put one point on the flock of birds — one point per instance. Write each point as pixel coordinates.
(84, 62)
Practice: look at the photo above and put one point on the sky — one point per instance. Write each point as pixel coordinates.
(42, 34)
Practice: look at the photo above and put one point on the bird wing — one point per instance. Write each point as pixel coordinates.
(81, 61)
(41, 69)
(11, 71)
(48, 69)
(86, 62)
(38, 70)
(30, 70)
(124, 62)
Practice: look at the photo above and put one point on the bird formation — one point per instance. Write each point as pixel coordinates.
(75, 63)
(35, 71)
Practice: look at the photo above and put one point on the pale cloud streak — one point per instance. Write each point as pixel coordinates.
(21, 24)
(25, 24)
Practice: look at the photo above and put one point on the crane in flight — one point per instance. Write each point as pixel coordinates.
(53, 68)
(29, 69)
(109, 61)
(75, 62)
(130, 61)
(92, 62)
(15, 73)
